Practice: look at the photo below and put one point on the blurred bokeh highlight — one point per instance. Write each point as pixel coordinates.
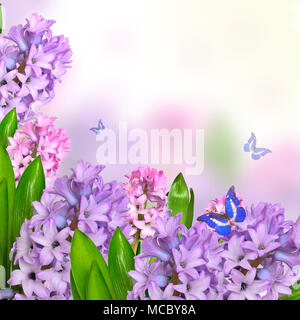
(228, 67)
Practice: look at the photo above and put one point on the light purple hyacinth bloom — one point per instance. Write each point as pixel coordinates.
(236, 256)
(261, 241)
(24, 246)
(245, 286)
(194, 289)
(54, 242)
(156, 293)
(32, 60)
(186, 260)
(279, 278)
(256, 261)
(27, 277)
(145, 274)
(197, 279)
(98, 209)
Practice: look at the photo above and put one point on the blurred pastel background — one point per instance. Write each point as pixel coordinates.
(228, 67)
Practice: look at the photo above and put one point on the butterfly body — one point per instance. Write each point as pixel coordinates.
(99, 128)
(256, 153)
(221, 221)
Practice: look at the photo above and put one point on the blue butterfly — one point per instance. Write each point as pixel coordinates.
(100, 127)
(256, 153)
(233, 211)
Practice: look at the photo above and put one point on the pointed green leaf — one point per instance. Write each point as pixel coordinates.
(8, 127)
(178, 199)
(3, 224)
(30, 188)
(187, 218)
(96, 287)
(83, 252)
(7, 172)
(120, 262)
(75, 293)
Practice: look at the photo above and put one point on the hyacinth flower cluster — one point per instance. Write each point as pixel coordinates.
(39, 137)
(146, 189)
(42, 252)
(257, 261)
(32, 60)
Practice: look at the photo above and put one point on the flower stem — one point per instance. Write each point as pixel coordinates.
(175, 280)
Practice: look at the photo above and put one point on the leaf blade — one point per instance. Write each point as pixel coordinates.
(30, 188)
(8, 127)
(120, 262)
(96, 287)
(7, 172)
(178, 198)
(3, 224)
(187, 218)
(83, 252)
(74, 290)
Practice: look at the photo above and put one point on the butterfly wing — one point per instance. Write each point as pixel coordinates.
(95, 130)
(232, 206)
(100, 125)
(217, 222)
(251, 144)
(259, 152)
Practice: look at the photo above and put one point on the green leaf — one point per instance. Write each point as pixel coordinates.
(295, 293)
(120, 262)
(30, 188)
(83, 252)
(3, 224)
(187, 218)
(96, 287)
(75, 293)
(8, 127)
(178, 199)
(7, 173)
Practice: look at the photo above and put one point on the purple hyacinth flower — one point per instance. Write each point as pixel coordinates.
(62, 187)
(158, 293)
(31, 84)
(244, 286)
(280, 279)
(145, 273)
(27, 277)
(83, 176)
(150, 248)
(16, 33)
(186, 261)
(236, 256)
(291, 259)
(36, 28)
(38, 60)
(54, 243)
(262, 242)
(7, 83)
(24, 246)
(194, 289)
(57, 278)
(43, 210)
(167, 231)
(91, 213)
